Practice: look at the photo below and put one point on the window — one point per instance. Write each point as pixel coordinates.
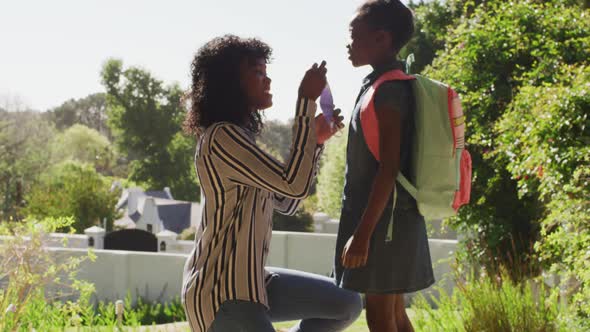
(91, 242)
(149, 228)
(162, 246)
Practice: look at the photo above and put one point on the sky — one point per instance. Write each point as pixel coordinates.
(52, 51)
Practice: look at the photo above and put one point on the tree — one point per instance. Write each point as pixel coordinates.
(72, 189)
(433, 19)
(145, 117)
(89, 111)
(24, 138)
(85, 145)
(545, 139)
(497, 50)
(331, 176)
(301, 221)
(276, 138)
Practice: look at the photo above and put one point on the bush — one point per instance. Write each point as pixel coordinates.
(301, 221)
(74, 190)
(545, 139)
(85, 145)
(498, 50)
(41, 292)
(331, 176)
(188, 234)
(31, 277)
(494, 304)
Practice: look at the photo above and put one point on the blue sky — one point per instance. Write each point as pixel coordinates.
(53, 50)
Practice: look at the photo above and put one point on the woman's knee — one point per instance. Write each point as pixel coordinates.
(351, 305)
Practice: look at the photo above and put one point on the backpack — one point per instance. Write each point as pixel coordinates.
(440, 162)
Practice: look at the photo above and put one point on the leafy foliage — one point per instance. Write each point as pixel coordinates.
(493, 304)
(145, 117)
(545, 139)
(301, 221)
(31, 276)
(85, 145)
(41, 291)
(89, 111)
(74, 190)
(276, 138)
(497, 49)
(331, 176)
(24, 152)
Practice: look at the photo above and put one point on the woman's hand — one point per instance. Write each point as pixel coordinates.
(313, 82)
(324, 129)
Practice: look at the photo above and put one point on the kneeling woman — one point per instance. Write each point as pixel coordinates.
(226, 285)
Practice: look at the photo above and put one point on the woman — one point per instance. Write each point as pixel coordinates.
(226, 286)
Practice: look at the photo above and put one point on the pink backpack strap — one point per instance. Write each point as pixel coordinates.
(368, 115)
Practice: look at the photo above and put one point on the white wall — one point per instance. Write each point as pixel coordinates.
(154, 276)
(149, 274)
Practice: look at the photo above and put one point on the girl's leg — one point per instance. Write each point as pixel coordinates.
(402, 320)
(315, 300)
(242, 316)
(381, 312)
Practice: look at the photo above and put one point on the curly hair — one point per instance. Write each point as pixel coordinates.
(389, 15)
(216, 94)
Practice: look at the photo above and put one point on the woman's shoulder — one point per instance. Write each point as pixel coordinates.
(217, 129)
(222, 131)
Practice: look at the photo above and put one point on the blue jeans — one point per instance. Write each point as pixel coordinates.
(316, 301)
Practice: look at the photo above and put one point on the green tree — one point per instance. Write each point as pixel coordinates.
(85, 145)
(145, 117)
(24, 137)
(545, 139)
(433, 19)
(301, 221)
(497, 49)
(89, 111)
(75, 190)
(331, 176)
(276, 138)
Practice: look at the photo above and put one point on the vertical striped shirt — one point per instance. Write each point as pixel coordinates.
(242, 185)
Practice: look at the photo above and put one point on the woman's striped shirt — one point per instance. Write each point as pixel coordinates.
(242, 185)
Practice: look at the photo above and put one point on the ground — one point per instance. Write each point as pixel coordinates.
(359, 326)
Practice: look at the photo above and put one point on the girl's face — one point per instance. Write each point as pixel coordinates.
(255, 84)
(366, 44)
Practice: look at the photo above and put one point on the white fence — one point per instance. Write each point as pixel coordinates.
(158, 276)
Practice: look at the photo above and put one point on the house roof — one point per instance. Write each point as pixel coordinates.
(157, 194)
(175, 217)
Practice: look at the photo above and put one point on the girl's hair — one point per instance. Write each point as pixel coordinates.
(216, 94)
(389, 15)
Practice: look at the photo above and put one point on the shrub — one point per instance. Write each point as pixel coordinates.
(31, 276)
(74, 190)
(301, 221)
(493, 304)
(545, 139)
(331, 176)
(497, 51)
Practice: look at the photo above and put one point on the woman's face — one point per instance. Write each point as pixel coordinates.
(256, 84)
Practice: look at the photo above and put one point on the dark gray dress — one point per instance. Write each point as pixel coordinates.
(403, 264)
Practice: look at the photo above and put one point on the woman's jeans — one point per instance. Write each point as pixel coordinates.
(315, 300)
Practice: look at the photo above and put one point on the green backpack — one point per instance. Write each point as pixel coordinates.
(440, 162)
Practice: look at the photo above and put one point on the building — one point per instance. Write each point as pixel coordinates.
(156, 211)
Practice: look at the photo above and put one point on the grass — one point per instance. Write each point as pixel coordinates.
(360, 325)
